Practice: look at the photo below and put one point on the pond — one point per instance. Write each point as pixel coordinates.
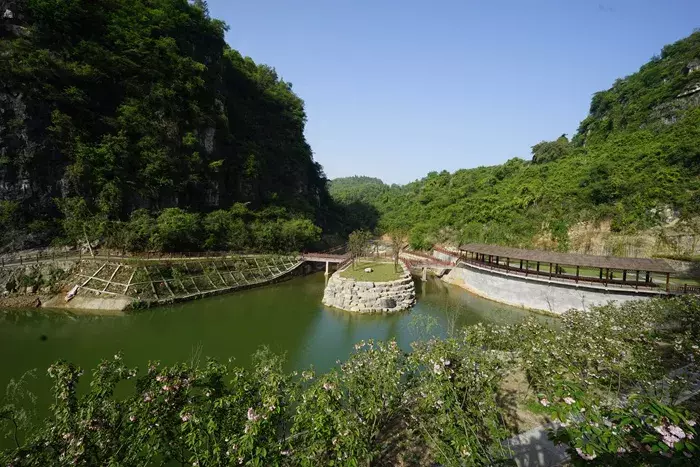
(288, 317)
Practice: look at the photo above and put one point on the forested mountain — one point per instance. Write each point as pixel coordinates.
(356, 188)
(635, 161)
(115, 107)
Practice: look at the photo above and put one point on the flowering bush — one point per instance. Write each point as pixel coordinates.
(444, 395)
(454, 402)
(217, 414)
(642, 432)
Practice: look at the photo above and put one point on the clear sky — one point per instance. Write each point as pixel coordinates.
(398, 88)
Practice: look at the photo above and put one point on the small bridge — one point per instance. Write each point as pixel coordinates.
(324, 257)
(327, 258)
(418, 260)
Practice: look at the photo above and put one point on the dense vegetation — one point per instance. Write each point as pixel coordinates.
(122, 110)
(444, 402)
(634, 158)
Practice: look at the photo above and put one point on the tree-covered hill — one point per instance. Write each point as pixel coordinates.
(634, 161)
(356, 188)
(117, 106)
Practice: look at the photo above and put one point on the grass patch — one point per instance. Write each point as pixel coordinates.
(381, 272)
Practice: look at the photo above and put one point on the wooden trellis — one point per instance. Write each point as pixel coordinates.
(231, 272)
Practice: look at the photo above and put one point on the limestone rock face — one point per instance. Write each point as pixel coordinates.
(368, 297)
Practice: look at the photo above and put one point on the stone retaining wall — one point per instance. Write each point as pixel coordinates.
(367, 297)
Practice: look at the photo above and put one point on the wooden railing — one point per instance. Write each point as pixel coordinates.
(425, 258)
(106, 254)
(684, 289)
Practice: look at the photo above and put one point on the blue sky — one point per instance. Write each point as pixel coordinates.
(398, 88)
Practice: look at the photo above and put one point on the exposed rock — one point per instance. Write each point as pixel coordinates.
(387, 303)
(692, 66)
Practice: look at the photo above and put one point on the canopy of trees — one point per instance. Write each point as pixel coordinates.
(637, 152)
(112, 106)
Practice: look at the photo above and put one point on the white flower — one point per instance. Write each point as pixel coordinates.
(569, 400)
(588, 457)
(544, 402)
(8, 14)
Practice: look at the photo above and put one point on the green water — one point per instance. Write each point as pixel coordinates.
(287, 317)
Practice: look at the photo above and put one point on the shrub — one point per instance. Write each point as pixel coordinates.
(178, 230)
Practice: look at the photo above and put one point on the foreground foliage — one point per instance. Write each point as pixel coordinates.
(444, 397)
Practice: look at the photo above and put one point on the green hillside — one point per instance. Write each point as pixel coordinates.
(634, 161)
(133, 110)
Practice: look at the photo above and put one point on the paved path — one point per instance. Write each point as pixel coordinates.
(534, 449)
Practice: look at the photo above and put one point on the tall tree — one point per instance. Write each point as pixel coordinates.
(358, 241)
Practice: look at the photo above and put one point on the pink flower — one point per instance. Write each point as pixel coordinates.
(147, 397)
(132, 418)
(569, 400)
(186, 417)
(166, 388)
(584, 456)
(670, 440)
(544, 402)
(676, 431)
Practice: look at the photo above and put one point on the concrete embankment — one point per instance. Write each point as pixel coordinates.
(368, 297)
(537, 294)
